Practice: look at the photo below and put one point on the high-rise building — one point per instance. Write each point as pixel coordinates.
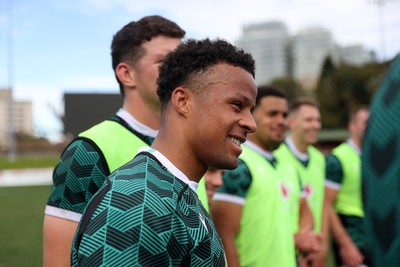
(267, 43)
(355, 55)
(22, 118)
(310, 47)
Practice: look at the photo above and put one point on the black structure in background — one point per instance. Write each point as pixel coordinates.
(83, 110)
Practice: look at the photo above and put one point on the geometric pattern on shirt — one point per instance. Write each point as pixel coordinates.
(144, 216)
(81, 171)
(381, 170)
(236, 182)
(77, 176)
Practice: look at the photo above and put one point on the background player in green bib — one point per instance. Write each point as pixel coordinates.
(208, 185)
(252, 209)
(148, 213)
(343, 195)
(381, 171)
(137, 50)
(304, 122)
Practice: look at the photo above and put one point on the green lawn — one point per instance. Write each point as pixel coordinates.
(21, 219)
(30, 161)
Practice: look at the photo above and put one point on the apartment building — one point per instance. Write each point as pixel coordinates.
(268, 44)
(356, 55)
(21, 116)
(309, 49)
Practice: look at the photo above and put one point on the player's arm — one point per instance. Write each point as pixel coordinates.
(306, 222)
(349, 252)
(227, 206)
(57, 240)
(318, 259)
(68, 199)
(306, 240)
(226, 217)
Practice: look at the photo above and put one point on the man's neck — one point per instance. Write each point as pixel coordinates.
(354, 145)
(303, 157)
(252, 138)
(146, 115)
(357, 142)
(300, 146)
(260, 149)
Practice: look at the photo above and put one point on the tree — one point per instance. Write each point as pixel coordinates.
(290, 86)
(345, 87)
(329, 96)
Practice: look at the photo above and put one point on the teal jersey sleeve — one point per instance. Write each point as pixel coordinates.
(145, 216)
(236, 181)
(78, 175)
(333, 169)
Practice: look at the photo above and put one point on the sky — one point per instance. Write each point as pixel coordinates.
(56, 46)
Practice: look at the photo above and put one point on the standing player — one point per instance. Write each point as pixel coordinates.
(381, 171)
(343, 195)
(148, 213)
(137, 50)
(208, 185)
(251, 209)
(304, 122)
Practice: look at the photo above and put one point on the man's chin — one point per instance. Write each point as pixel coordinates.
(226, 165)
(275, 144)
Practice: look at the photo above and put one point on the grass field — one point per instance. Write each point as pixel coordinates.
(30, 161)
(21, 216)
(21, 219)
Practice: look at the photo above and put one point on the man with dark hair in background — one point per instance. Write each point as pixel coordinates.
(137, 51)
(252, 209)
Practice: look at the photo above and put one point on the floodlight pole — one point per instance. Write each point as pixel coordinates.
(11, 131)
(381, 28)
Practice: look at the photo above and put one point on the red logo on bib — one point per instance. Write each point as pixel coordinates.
(308, 189)
(284, 190)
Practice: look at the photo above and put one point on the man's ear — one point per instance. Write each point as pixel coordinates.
(290, 121)
(180, 100)
(126, 74)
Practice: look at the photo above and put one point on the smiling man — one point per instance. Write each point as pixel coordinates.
(147, 213)
(251, 209)
(304, 123)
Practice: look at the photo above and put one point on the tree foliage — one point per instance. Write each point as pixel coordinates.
(290, 86)
(344, 87)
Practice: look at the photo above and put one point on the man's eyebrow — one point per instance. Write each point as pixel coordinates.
(246, 100)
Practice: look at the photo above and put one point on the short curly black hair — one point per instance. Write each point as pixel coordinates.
(194, 57)
(268, 90)
(126, 43)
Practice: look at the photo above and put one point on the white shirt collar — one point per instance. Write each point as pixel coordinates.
(135, 124)
(268, 155)
(300, 155)
(171, 167)
(354, 146)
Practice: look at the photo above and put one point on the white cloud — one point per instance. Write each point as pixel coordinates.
(355, 21)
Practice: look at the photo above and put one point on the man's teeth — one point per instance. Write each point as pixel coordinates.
(236, 141)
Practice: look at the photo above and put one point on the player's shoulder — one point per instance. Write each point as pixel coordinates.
(316, 153)
(241, 170)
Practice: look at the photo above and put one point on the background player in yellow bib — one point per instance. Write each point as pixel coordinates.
(343, 195)
(137, 51)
